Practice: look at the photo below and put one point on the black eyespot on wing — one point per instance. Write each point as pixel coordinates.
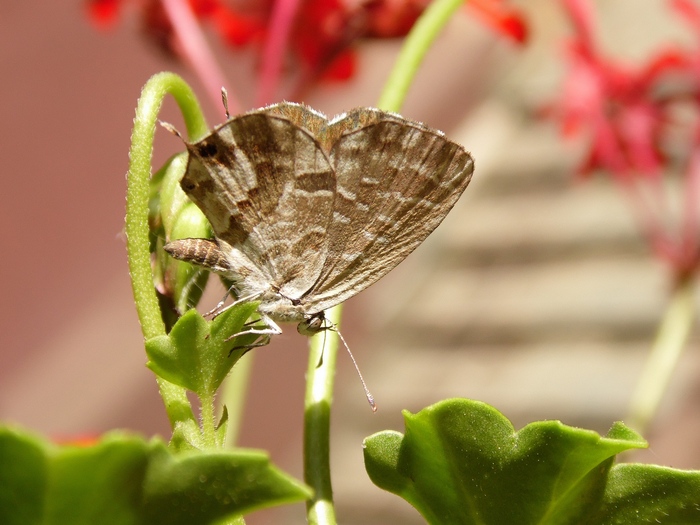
(207, 149)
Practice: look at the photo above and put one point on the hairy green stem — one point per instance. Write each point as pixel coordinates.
(208, 423)
(670, 340)
(136, 228)
(137, 193)
(417, 43)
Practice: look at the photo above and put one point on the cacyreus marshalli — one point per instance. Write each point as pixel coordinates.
(308, 212)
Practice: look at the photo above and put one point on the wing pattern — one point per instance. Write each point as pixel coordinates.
(256, 178)
(396, 181)
(317, 210)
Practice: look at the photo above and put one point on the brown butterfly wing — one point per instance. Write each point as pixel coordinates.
(396, 181)
(267, 188)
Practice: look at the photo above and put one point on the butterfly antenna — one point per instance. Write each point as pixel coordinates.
(224, 99)
(171, 129)
(370, 397)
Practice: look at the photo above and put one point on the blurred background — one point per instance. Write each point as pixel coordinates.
(537, 294)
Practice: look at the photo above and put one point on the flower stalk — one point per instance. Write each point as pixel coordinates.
(324, 346)
(667, 349)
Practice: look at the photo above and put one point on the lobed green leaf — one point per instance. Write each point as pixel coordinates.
(195, 354)
(650, 494)
(124, 480)
(462, 462)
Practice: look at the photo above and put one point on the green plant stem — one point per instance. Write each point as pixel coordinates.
(137, 234)
(670, 340)
(208, 422)
(317, 419)
(319, 389)
(417, 43)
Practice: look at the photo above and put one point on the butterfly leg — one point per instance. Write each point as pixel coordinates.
(263, 340)
(272, 328)
(220, 308)
(264, 334)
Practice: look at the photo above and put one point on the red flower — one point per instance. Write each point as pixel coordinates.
(619, 105)
(321, 32)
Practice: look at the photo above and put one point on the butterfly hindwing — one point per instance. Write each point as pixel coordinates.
(396, 181)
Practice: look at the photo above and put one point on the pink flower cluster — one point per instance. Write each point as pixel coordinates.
(643, 123)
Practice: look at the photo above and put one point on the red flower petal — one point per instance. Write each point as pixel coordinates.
(342, 68)
(665, 63)
(392, 18)
(86, 440)
(688, 10)
(237, 30)
(103, 13)
(503, 19)
(204, 8)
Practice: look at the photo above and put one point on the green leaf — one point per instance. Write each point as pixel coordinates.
(196, 487)
(80, 479)
(23, 479)
(462, 462)
(187, 436)
(124, 480)
(651, 494)
(195, 354)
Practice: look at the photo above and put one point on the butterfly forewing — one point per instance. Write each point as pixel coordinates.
(256, 178)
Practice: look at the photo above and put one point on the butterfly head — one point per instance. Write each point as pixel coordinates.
(313, 324)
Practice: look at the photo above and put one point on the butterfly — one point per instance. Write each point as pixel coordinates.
(307, 212)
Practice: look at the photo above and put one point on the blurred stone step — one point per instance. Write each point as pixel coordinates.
(619, 298)
(562, 223)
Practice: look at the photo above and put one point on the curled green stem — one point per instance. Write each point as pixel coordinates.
(136, 227)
